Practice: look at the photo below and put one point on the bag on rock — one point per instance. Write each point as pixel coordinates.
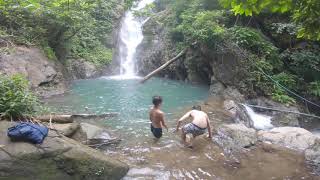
(28, 132)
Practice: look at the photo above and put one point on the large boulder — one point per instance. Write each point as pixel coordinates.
(216, 87)
(71, 130)
(237, 112)
(57, 158)
(234, 137)
(45, 75)
(81, 69)
(291, 137)
(312, 155)
(97, 135)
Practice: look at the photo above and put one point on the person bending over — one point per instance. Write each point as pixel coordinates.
(200, 123)
(157, 117)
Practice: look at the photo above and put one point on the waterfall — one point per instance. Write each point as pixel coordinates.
(130, 38)
(260, 121)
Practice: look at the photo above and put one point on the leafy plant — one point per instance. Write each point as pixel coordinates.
(282, 97)
(57, 25)
(16, 99)
(305, 64)
(304, 12)
(287, 80)
(315, 88)
(203, 26)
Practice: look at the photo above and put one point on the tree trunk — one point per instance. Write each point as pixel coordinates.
(163, 66)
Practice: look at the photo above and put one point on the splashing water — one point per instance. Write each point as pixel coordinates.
(260, 121)
(131, 36)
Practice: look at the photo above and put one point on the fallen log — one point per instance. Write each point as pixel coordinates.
(55, 118)
(163, 66)
(64, 118)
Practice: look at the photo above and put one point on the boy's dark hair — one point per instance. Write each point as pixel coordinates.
(156, 100)
(196, 107)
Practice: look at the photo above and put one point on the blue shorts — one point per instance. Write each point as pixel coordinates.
(157, 132)
(193, 129)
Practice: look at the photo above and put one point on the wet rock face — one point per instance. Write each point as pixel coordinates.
(81, 69)
(157, 48)
(57, 158)
(45, 75)
(234, 137)
(237, 112)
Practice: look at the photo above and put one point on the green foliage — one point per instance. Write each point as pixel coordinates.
(145, 12)
(255, 42)
(203, 26)
(16, 100)
(305, 13)
(250, 7)
(305, 64)
(288, 80)
(256, 78)
(52, 25)
(315, 88)
(282, 97)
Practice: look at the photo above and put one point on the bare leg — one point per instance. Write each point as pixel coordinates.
(183, 137)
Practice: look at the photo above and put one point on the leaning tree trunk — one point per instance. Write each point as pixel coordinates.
(163, 66)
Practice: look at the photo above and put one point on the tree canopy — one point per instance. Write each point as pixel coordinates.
(305, 13)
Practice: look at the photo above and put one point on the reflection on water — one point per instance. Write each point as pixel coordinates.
(167, 158)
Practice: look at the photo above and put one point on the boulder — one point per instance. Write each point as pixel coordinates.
(285, 119)
(97, 136)
(233, 94)
(234, 137)
(58, 157)
(216, 87)
(68, 129)
(237, 112)
(71, 130)
(291, 137)
(312, 155)
(91, 131)
(45, 75)
(81, 69)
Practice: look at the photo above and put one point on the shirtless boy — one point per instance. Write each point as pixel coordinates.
(157, 117)
(198, 126)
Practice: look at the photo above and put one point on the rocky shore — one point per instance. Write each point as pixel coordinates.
(58, 157)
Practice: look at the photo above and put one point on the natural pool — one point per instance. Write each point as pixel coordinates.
(130, 99)
(167, 158)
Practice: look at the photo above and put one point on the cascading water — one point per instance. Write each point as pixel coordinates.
(260, 121)
(131, 36)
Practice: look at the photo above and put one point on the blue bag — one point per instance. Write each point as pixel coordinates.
(28, 132)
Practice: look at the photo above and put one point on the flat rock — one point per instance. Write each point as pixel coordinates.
(291, 137)
(58, 157)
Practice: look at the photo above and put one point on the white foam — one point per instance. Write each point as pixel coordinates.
(121, 77)
(260, 121)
